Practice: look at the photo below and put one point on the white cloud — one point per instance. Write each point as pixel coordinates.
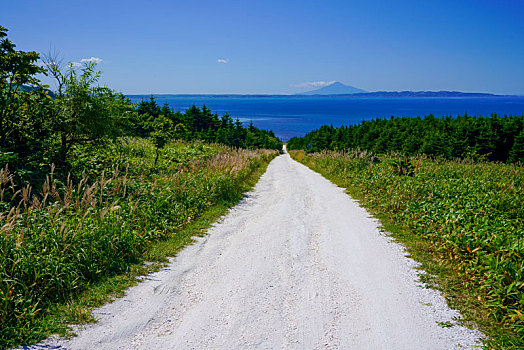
(92, 59)
(314, 84)
(76, 64)
(223, 60)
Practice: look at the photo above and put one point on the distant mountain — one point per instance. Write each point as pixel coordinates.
(334, 89)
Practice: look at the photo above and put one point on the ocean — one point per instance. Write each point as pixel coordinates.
(295, 116)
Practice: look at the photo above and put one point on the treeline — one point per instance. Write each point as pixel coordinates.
(199, 124)
(495, 138)
(39, 127)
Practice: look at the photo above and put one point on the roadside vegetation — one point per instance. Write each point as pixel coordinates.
(57, 242)
(495, 138)
(462, 219)
(92, 186)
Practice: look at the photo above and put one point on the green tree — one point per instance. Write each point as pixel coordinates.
(86, 112)
(180, 132)
(163, 131)
(19, 88)
(145, 114)
(517, 151)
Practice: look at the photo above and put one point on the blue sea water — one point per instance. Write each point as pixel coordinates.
(295, 116)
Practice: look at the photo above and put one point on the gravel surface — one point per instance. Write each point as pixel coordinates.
(297, 264)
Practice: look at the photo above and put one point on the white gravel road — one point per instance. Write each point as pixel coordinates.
(296, 265)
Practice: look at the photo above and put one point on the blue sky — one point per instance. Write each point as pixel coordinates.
(162, 46)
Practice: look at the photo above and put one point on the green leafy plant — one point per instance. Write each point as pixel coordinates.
(402, 166)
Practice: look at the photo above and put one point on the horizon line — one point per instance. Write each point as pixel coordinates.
(370, 93)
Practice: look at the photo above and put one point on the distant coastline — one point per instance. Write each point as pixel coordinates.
(392, 94)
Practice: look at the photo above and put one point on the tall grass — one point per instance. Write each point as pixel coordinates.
(68, 234)
(469, 214)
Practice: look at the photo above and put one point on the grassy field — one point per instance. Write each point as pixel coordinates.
(77, 241)
(464, 221)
